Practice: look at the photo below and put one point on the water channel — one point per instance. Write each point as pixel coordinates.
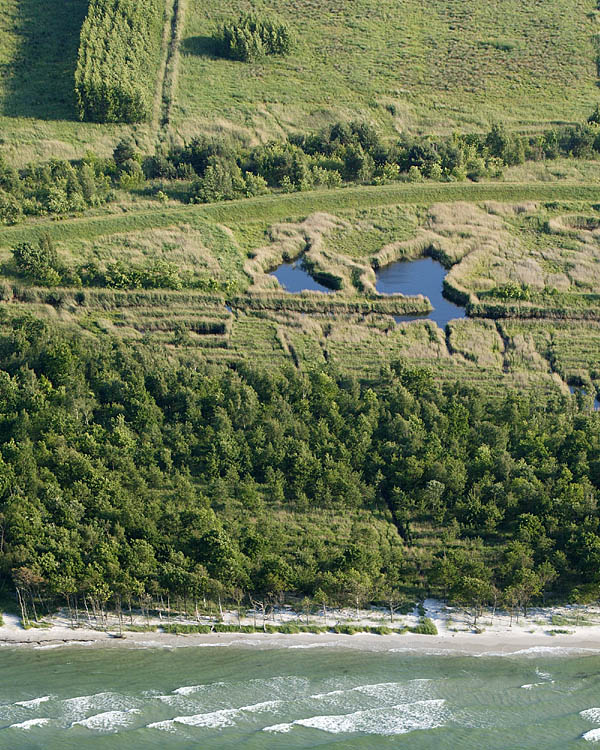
(574, 389)
(294, 277)
(423, 276)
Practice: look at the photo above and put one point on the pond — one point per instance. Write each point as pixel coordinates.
(294, 277)
(576, 388)
(423, 276)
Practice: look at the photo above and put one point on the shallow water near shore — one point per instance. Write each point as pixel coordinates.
(298, 697)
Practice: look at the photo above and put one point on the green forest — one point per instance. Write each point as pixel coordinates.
(127, 476)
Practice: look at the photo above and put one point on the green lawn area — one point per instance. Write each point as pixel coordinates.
(423, 68)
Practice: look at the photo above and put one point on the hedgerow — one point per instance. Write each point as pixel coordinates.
(119, 51)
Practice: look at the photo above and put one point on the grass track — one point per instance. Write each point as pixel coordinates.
(273, 208)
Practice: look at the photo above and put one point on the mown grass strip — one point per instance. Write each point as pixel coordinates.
(272, 208)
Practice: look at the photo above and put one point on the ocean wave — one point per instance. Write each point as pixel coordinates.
(30, 723)
(281, 728)
(34, 703)
(191, 689)
(591, 714)
(76, 708)
(543, 651)
(592, 736)
(221, 719)
(400, 719)
(531, 685)
(390, 692)
(163, 726)
(108, 721)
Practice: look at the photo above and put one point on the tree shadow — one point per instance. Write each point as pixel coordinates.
(40, 81)
(204, 46)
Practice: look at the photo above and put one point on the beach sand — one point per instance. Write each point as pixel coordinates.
(455, 632)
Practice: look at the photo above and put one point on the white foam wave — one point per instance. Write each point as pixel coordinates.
(400, 719)
(164, 726)
(311, 645)
(390, 692)
(47, 646)
(108, 721)
(30, 724)
(34, 703)
(591, 714)
(542, 651)
(592, 736)
(282, 728)
(76, 708)
(330, 694)
(538, 684)
(258, 707)
(542, 675)
(190, 689)
(213, 720)
(225, 717)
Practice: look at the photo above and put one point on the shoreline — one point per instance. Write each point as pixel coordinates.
(501, 635)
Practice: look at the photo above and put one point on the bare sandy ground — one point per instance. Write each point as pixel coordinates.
(533, 634)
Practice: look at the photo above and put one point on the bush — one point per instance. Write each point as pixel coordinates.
(38, 263)
(347, 629)
(180, 629)
(381, 630)
(426, 626)
(251, 38)
(141, 628)
(118, 58)
(10, 210)
(290, 628)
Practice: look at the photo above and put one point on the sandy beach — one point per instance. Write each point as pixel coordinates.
(579, 630)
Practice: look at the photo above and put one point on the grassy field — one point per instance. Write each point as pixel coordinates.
(449, 66)
(420, 68)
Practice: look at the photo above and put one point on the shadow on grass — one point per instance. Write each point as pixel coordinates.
(204, 46)
(39, 83)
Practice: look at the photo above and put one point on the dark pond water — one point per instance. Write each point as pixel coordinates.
(422, 276)
(294, 277)
(575, 388)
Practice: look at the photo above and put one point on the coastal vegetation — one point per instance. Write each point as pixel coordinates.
(176, 427)
(130, 477)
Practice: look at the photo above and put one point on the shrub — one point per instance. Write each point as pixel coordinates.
(39, 262)
(290, 628)
(119, 51)
(381, 630)
(251, 37)
(426, 626)
(10, 210)
(347, 629)
(180, 629)
(141, 628)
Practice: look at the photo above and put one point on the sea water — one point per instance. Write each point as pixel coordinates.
(298, 697)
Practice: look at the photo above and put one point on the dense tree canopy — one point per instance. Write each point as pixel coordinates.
(123, 472)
